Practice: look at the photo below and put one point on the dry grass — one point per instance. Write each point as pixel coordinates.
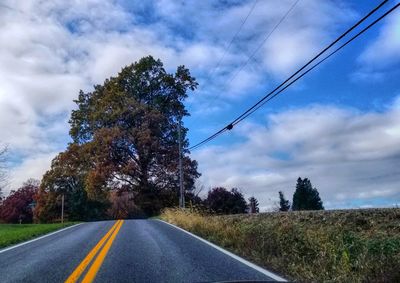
(309, 246)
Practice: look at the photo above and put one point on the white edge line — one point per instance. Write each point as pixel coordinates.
(238, 258)
(36, 239)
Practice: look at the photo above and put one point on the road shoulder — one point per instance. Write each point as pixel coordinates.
(238, 258)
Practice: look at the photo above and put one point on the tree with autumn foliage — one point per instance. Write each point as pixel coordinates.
(125, 135)
(67, 176)
(130, 123)
(17, 207)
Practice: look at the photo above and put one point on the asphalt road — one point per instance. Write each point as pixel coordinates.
(135, 251)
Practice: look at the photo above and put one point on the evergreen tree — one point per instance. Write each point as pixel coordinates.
(237, 202)
(253, 205)
(284, 204)
(306, 197)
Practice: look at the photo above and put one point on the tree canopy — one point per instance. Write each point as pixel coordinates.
(222, 201)
(68, 176)
(18, 206)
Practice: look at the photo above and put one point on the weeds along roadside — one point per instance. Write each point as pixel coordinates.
(309, 246)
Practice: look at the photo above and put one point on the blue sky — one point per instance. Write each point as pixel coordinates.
(339, 125)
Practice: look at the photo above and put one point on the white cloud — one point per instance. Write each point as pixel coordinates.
(51, 49)
(383, 51)
(309, 26)
(379, 57)
(32, 167)
(350, 156)
(48, 51)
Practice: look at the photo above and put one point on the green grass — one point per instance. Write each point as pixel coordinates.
(308, 246)
(11, 234)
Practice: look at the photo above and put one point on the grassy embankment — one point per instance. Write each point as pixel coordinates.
(11, 234)
(313, 246)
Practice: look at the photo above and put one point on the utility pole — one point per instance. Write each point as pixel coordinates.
(62, 209)
(182, 191)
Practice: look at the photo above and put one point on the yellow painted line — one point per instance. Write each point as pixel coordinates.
(84, 263)
(91, 274)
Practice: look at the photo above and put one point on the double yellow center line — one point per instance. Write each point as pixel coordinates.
(104, 246)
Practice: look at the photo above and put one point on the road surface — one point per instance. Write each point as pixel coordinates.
(122, 251)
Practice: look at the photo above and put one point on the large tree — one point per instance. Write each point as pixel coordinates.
(306, 197)
(130, 124)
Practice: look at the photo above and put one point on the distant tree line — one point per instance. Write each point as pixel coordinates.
(20, 206)
(222, 201)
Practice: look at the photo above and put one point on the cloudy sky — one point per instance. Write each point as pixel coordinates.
(339, 126)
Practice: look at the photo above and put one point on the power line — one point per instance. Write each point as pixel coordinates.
(230, 126)
(265, 40)
(319, 62)
(209, 138)
(313, 59)
(249, 58)
(232, 40)
(261, 101)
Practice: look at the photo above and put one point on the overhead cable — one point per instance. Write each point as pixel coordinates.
(263, 100)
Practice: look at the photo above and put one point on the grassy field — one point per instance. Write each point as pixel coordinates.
(14, 233)
(309, 246)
